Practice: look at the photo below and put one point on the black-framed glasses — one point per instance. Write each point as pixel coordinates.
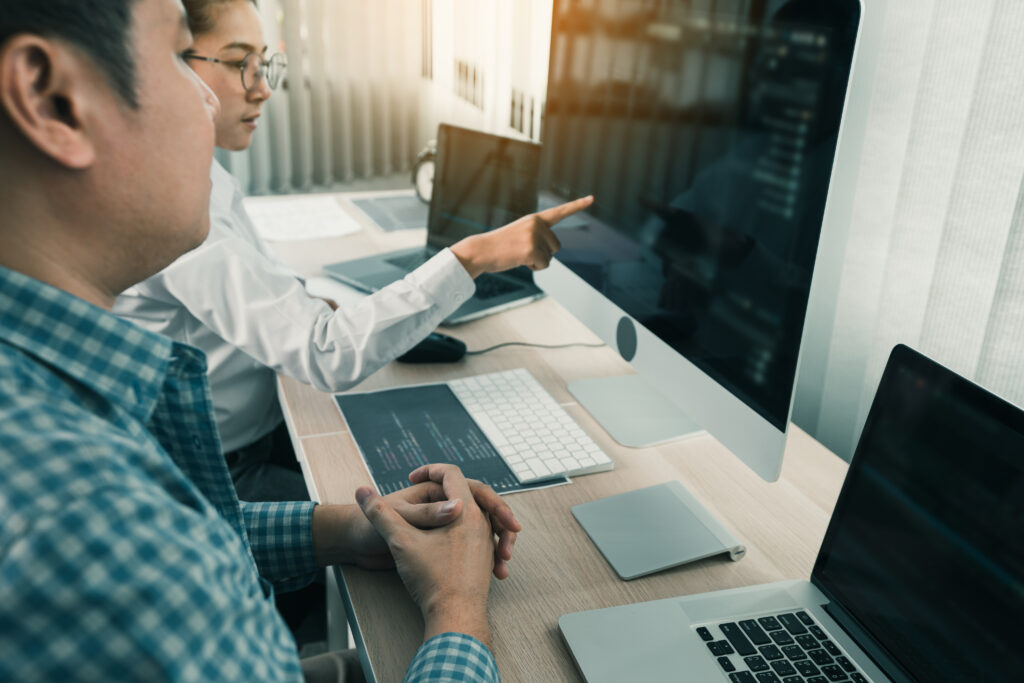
(254, 68)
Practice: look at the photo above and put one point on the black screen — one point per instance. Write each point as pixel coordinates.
(706, 130)
(481, 182)
(925, 550)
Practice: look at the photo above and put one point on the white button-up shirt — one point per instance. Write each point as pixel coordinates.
(235, 300)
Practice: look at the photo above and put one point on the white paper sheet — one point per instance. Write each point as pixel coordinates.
(284, 218)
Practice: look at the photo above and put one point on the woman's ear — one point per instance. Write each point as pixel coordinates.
(43, 90)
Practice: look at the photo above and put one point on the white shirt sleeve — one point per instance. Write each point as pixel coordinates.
(232, 288)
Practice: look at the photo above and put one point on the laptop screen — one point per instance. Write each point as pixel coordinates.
(925, 550)
(481, 182)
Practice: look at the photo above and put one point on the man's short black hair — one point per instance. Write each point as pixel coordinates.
(100, 28)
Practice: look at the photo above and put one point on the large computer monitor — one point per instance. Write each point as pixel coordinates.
(707, 131)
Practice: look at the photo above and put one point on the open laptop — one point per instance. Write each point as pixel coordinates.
(481, 182)
(920, 576)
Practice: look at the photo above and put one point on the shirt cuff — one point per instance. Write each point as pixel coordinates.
(444, 280)
(453, 657)
(281, 536)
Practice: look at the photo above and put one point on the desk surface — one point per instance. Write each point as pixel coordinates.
(555, 568)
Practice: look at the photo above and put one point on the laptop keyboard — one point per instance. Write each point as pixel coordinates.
(488, 286)
(536, 438)
(782, 648)
(410, 262)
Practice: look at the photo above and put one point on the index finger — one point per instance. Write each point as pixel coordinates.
(489, 501)
(563, 211)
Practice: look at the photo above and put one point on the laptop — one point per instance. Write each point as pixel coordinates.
(920, 576)
(481, 182)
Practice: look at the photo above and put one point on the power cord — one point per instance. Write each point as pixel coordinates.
(536, 346)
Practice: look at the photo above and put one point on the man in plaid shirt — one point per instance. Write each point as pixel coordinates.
(124, 551)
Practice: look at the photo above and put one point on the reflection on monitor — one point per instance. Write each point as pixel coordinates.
(707, 130)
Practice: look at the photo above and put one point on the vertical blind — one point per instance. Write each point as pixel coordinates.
(368, 82)
(350, 105)
(935, 253)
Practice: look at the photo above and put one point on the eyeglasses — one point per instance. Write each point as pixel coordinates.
(254, 68)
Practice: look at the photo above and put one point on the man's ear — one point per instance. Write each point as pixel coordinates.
(43, 87)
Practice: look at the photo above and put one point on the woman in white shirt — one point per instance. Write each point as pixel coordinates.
(250, 313)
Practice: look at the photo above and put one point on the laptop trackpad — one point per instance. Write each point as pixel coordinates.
(646, 642)
(371, 273)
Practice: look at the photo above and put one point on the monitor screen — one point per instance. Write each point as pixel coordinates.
(481, 182)
(925, 550)
(706, 130)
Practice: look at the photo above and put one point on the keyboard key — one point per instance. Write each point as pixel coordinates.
(821, 658)
(805, 617)
(830, 648)
(720, 647)
(742, 677)
(704, 634)
(806, 668)
(793, 652)
(770, 652)
(767, 677)
(783, 668)
(858, 678)
(738, 640)
(834, 673)
(818, 633)
(792, 624)
(769, 623)
(756, 663)
(792, 679)
(754, 632)
(817, 679)
(807, 641)
(781, 637)
(847, 665)
(726, 664)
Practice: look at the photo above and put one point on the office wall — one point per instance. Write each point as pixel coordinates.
(932, 254)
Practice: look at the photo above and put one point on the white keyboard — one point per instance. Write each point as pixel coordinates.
(535, 436)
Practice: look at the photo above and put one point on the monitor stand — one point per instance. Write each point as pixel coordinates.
(632, 411)
(654, 528)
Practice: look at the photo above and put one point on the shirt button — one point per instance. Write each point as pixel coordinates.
(196, 442)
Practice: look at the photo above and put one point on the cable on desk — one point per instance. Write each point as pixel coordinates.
(536, 346)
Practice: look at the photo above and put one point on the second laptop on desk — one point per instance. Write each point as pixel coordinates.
(919, 577)
(481, 182)
(502, 428)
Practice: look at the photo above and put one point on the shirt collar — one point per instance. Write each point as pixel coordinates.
(224, 187)
(118, 360)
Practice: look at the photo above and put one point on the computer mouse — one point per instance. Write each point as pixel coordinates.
(436, 348)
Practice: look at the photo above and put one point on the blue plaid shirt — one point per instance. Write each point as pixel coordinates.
(124, 551)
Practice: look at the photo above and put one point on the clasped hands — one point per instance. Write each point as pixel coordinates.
(445, 535)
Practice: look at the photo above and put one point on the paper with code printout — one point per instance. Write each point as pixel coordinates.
(397, 430)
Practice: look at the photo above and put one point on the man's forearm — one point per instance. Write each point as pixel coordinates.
(453, 616)
(333, 529)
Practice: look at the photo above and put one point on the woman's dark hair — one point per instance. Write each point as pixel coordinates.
(202, 14)
(102, 29)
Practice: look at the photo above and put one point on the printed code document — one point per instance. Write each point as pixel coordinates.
(397, 430)
(284, 218)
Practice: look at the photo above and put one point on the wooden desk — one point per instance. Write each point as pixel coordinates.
(555, 568)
